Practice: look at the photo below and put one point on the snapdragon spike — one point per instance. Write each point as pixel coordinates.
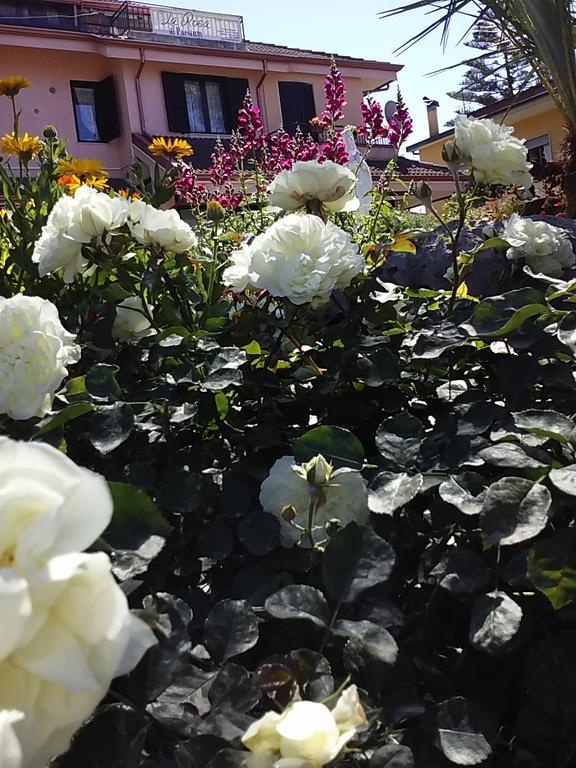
(222, 165)
(400, 126)
(249, 124)
(189, 187)
(335, 95)
(373, 120)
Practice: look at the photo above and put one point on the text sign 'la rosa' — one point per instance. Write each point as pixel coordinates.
(184, 23)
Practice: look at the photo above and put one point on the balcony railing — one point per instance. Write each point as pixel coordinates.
(127, 18)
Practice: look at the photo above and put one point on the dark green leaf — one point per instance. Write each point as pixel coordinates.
(547, 423)
(63, 417)
(501, 315)
(233, 689)
(392, 756)
(514, 510)
(101, 382)
(110, 426)
(564, 479)
(379, 642)
(465, 492)
(334, 443)
(378, 368)
(389, 491)
(230, 629)
(552, 567)
(259, 533)
(461, 572)
(399, 439)
(355, 559)
(133, 509)
(221, 379)
(494, 623)
(511, 455)
(298, 601)
(460, 733)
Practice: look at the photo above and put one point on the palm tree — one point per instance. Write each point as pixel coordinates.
(543, 31)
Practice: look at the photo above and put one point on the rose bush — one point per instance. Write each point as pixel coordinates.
(335, 486)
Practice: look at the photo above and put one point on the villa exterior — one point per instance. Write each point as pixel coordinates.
(532, 113)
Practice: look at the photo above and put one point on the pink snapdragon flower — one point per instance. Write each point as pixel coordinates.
(373, 120)
(400, 126)
(335, 95)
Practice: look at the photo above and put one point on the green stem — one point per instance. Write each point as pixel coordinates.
(310, 523)
(455, 238)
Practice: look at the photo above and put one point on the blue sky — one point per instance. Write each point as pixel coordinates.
(353, 28)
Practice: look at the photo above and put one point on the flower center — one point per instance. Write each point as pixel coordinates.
(7, 558)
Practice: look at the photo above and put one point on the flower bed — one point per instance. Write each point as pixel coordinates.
(260, 504)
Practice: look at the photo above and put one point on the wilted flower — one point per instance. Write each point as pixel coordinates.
(12, 85)
(36, 348)
(494, 155)
(298, 257)
(131, 322)
(306, 735)
(544, 248)
(341, 495)
(165, 229)
(66, 627)
(328, 183)
(25, 147)
(160, 146)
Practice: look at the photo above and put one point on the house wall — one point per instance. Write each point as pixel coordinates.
(50, 63)
(528, 122)
(49, 100)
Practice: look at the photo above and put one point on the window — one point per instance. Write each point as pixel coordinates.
(539, 150)
(197, 104)
(95, 110)
(297, 103)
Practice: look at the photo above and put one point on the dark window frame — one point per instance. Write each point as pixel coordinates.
(221, 82)
(283, 85)
(98, 87)
(232, 92)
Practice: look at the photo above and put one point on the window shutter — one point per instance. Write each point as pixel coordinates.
(297, 103)
(235, 90)
(107, 118)
(175, 99)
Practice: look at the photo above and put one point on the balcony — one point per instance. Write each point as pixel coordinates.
(128, 19)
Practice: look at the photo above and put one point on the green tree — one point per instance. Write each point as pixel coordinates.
(543, 32)
(497, 72)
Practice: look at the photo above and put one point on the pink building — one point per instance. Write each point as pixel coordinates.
(111, 74)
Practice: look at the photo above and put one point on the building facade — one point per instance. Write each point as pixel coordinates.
(110, 75)
(532, 113)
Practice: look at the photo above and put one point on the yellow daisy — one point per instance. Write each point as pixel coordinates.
(170, 147)
(25, 147)
(12, 85)
(81, 166)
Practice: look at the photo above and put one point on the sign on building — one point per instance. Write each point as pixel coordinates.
(178, 22)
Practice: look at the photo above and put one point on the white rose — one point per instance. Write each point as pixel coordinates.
(72, 223)
(306, 734)
(10, 749)
(492, 152)
(165, 229)
(344, 497)
(36, 348)
(544, 248)
(331, 184)
(298, 257)
(70, 629)
(130, 322)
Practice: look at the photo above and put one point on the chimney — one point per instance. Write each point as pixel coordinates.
(432, 112)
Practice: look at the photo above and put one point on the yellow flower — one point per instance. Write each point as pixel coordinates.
(25, 147)
(82, 166)
(170, 147)
(71, 181)
(12, 85)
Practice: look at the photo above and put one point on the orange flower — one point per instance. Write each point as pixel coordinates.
(128, 194)
(170, 147)
(72, 182)
(12, 85)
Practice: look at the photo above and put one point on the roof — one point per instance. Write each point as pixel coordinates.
(503, 105)
(408, 168)
(271, 49)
